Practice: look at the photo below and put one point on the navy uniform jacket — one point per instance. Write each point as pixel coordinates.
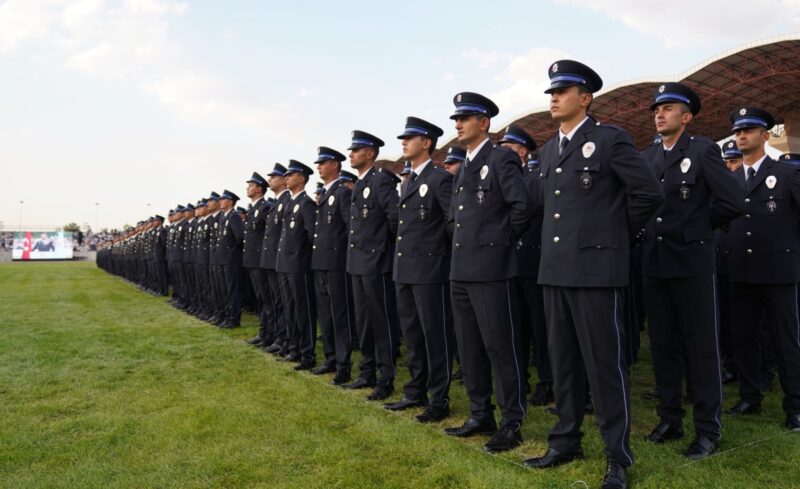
(490, 209)
(254, 233)
(204, 231)
(529, 245)
(229, 239)
(297, 235)
(679, 238)
(596, 195)
(373, 224)
(422, 250)
(189, 241)
(216, 257)
(332, 226)
(272, 232)
(764, 242)
(160, 243)
(180, 239)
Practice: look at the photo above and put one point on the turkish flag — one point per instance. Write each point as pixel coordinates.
(26, 246)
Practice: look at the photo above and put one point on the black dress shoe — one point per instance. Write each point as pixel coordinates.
(273, 348)
(305, 366)
(341, 378)
(744, 408)
(433, 414)
(651, 395)
(793, 423)
(360, 383)
(291, 357)
(405, 403)
(228, 325)
(615, 477)
(700, 448)
(324, 369)
(665, 431)
(542, 396)
(255, 341)
(728, 377)
(552, 458)
(473, 427)
(381, 392)
(506, 438)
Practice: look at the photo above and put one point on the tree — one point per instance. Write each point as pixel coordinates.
(72, 227)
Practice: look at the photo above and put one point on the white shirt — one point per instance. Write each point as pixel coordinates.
(561, 135)
(278, 196)
(418, 170)
(361, 174)
(755, 166)
(472, 154)
(294, 196)
(328, 186)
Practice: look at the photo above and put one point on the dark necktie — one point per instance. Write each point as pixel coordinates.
(751, 177)
(564, 143)
(466, 163)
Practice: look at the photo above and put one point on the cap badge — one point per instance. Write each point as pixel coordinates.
(554, 69)
(661, 89)
(458, 98)
(743, 112)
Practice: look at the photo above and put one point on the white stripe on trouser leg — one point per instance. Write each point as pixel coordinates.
(716, 350)
(514, 348)
(388, 325)
(622, 380)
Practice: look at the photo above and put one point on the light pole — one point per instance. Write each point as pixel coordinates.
(21, 205)
(96, 214)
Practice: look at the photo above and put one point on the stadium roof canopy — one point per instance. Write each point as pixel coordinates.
(765, 74)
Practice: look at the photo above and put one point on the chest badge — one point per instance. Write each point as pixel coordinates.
(364, 212)
(686, 163)
(586, 179)
(588, 149)
(771, 181)
(256, 213)
(423, 189)
(296, 208)
(331, 200)
(683, 192)
(772, 206)
(484, 172)
(280, 207)
(291, 224)
(365, 193)
(480, 197)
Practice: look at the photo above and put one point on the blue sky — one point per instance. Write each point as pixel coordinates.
(132, 102)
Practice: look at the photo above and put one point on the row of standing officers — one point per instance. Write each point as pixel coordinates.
(481, 261)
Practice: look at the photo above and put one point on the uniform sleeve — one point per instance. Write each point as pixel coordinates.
(726, 193)
(515, 193)
(796, 187)
(345, 200)
(444, 196)
(309, 218)
(643, 192)
(237, 227)
(387, 191)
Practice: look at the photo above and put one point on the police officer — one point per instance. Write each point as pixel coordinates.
(373, 228)
(528, 248)
(328, 262)
(490, 209)
(454, 159)
(595, 190)
(732, 156)
(277, 313)
(348, 179)
(421, 274)
(293, 263)
(764, 266)
(251, 258)
(202, 261)
(229, 250)
(678, 268)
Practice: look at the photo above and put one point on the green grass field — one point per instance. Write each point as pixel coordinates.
(102, 385)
